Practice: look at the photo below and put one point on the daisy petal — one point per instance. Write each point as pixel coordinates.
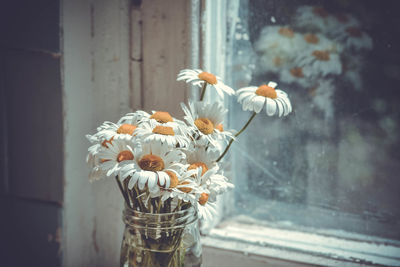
(270, 107)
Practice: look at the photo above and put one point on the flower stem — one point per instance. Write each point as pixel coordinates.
(178, 206)
(236, 135)
(139, 199)
(122, 191)
(159, 205)
(203, 91)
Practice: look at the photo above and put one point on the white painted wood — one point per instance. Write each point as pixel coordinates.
(310, 248)
(136, 57)
(165, 29)
(213, 256)
(96, 88)
(195, 26)
(213, 59)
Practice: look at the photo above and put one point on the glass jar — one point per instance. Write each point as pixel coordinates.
(156, 240)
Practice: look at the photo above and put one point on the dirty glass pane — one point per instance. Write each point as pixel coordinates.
(334, 163)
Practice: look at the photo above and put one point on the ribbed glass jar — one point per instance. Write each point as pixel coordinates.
(155, 240)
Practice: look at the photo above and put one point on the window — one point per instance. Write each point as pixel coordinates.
(330, 168)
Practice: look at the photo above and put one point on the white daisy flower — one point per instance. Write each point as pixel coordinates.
(124, 129)
(213, 184)
(132, 118)
(186, 189)
(112, 158)
(203, 119)
(296, 72)
(354, 38)
(208, 210)
(91, 158)
(109, 131)
(277, 46)
(165, 119)
(340, 22)
(295, 75)
(198, 77)
(313, 18)
(171, 135)
(93, 162)
(316, 41)
(155, 165)
(161, 117)
(254, 98)
(202, 157)
(95, 138)
(319, 63)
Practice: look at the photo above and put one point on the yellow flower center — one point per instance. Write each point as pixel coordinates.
(185, 189)
(162, 117)
(105, 142)
(311, 38)
(220, 127)
(287, 32)
(297, 72)
(196, 165)
(126, 129)
(320, 11)
(354, 31)
(208, 77)
(203, 198)
(124, 155)
(173, 179)
(151, 162)
(204, 125)
(164, 130)
(321, 55)
(266, 91)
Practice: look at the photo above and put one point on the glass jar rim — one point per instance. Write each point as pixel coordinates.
(171, 220)
(136, 212)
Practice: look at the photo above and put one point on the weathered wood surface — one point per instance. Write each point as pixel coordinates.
(165, 49)
(96, 88)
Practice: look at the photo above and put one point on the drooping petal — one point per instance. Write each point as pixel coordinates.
(152, 179)
(243, 95)
(247, 102)
(246, 89)
(133, 180)
(143, 179)
(270, 107)
(258, 103)
(272, 84)
(280, 107)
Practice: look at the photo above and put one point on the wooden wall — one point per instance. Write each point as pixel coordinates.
(96, 88)
(31, 139)
(160, 49)
(65, 67)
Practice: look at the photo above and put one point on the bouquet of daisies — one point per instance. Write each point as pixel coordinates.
(164, 165)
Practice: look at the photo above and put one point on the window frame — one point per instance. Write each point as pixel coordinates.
(322, 247)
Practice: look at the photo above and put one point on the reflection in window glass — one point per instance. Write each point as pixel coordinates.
(334, 163)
